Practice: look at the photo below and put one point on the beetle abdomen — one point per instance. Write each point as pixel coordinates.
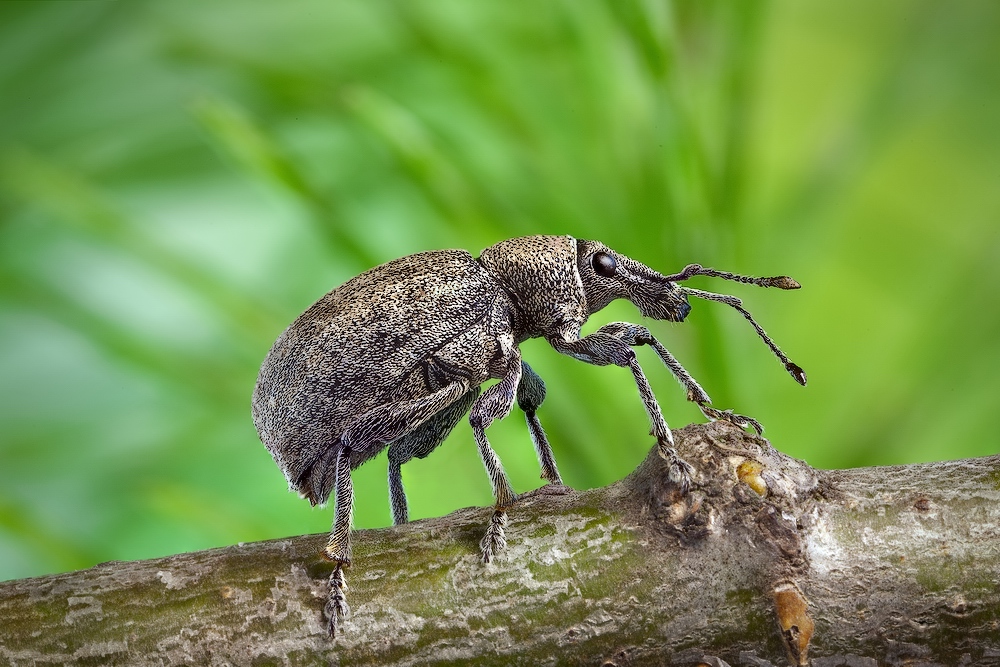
(371, 341)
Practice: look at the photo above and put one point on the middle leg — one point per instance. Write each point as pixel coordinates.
(496, 403)
(419, 444)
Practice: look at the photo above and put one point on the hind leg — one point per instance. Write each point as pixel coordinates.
(339, 548)
(364, 438)
(419, 444)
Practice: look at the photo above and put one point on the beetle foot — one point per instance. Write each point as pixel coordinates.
(679, 471)
(336, 608)
(494, 541)
(742, 421)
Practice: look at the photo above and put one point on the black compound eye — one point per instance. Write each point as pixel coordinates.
(604, 264)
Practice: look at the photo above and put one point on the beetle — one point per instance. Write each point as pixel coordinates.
(395, 357)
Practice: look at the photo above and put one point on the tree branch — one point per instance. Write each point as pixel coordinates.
(767, 560)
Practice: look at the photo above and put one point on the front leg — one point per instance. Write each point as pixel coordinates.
(609, 345)
(634, 334)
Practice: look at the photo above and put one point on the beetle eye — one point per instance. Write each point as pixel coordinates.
(604, 264)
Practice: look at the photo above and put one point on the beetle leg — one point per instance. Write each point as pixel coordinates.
(338, 549)
(634, 334)
(373, 430)
(679, 470)
(419, 444)
(366, 436)
(494, 540)
(610, 345)
(742, 421)
(530, 394)
(336, 608)
(496, 403)
(397, 495)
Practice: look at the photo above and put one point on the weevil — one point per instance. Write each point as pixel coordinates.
(395, 357)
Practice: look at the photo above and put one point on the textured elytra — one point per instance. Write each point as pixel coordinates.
(395, 358)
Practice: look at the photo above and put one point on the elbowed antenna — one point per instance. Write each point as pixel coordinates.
(691, 270)
(781, 282)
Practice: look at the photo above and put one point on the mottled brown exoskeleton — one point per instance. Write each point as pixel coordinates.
(395, 357)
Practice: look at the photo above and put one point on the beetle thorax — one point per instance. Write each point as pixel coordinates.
(540, 276)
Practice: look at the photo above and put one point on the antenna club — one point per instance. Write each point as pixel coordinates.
(783, 282)
(797, 373)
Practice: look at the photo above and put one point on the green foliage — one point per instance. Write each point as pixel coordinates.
(179, 180)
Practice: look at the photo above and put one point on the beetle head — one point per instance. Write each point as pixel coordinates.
(607, 275)
(537, 272)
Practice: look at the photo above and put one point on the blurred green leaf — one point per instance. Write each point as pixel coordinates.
(264, 158)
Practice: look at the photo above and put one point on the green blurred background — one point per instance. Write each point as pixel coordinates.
(178, 180)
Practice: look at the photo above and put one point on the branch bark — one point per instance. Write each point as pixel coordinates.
(766, 561)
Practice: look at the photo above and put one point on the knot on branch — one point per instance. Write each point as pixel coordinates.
(741, 483)
(743, 488)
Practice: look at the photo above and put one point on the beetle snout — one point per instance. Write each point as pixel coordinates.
(661, 301)
(683, 308)
(676, 307)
